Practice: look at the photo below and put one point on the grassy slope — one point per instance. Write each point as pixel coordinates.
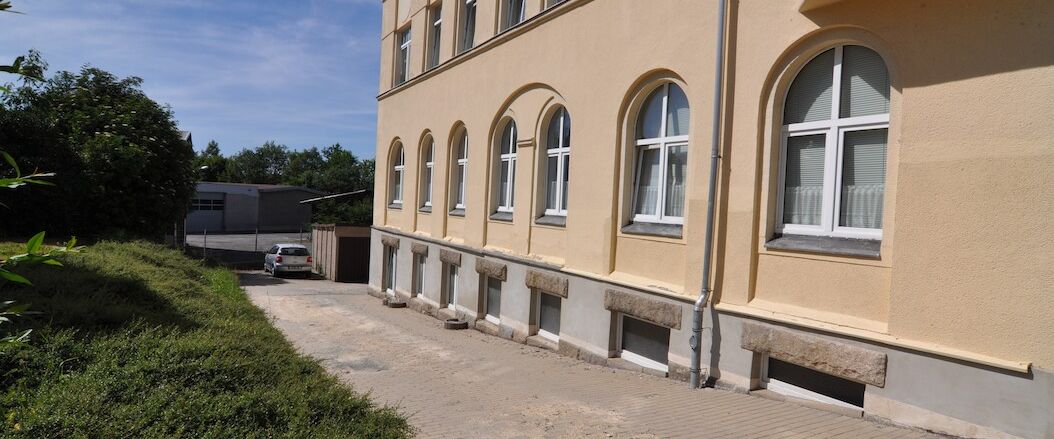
(137, 341)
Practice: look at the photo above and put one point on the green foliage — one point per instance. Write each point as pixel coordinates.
(136, 340)
(332, 170)
(117, 156)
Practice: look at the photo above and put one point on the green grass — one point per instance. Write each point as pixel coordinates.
(135, 340)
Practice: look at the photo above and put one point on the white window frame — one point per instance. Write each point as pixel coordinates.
(403, 60)
(663, 144)
(834, 130)
(538, 306)
(460, 170)
(512, 18)
(562, 153)
(465, 26)
(436, 36)
(495, 319)
(506, 161)
(451, 285)
(398, 170)
(429, 170)
(392, 268)
(638, 359)
(793, 391)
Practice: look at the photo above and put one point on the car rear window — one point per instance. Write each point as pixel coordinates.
(293, 251)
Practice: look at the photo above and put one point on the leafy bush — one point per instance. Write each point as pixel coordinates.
(135, 340)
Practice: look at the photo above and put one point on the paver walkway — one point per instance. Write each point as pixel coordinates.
(467, 384)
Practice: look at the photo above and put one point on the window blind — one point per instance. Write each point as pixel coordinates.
(863, 179)
(803, 190)
(809, 97)
(865, 83)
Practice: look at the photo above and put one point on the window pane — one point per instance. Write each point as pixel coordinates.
(809, 98)
(493, 297)
(647, 183)
(567, 165)
(865, 83)
(503, 185)
(428, 185)
(459, 196)
(567, 129)
(549, 313)
(649, 123)
(863, 179)
(508, 138)
(645, 339)
(397, 186)
(552, 138)
(551, 178)
(803, 188)
(468, 26)
(677, 113)
(462, 150)
(451, 284)
(676, 174)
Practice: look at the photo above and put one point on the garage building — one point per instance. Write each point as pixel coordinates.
(238, 207)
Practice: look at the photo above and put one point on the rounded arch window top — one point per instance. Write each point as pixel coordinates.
(508, 138)
(665, 113)
(842, 82)
(558, 135)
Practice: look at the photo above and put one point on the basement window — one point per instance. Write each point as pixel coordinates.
(388, 278)
(493, 300)
(548, 307)
(418, 275)
(450, 286)
(644, 344)
(804, 383)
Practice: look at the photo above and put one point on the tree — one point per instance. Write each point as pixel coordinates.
(210, 163)
(118, 155)
(264, 165)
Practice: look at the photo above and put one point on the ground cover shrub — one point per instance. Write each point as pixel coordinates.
(135, 340)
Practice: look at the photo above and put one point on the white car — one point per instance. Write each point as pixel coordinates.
(287, 258)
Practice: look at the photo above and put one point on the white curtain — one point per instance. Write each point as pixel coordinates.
(648, 183)
(863, 179)
(803, 190)
(676, 174)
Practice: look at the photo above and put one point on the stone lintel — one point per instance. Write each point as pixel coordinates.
(655, 311)
(390, 241)
(418, 248)
(547, 282)
(843, 360)
(450, 257)
(493, 269)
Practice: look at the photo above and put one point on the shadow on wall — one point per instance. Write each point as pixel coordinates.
(953, 34)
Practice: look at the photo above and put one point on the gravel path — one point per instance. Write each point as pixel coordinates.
(467, 384)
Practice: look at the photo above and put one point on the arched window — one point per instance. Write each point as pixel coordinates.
(428, 158)
(398, 166)
(459, 170)
(557, 162)
(661, 156)
(506, 184)
(835, 125)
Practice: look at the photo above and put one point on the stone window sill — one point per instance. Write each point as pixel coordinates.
(863, 248)
(654, 229)
(502, 216)
(396, 206)
(457, 212)
(552, 220)
(425, 209)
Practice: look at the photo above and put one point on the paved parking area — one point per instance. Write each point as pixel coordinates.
(467, 384)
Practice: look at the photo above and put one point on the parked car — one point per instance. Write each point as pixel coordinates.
(287, 258)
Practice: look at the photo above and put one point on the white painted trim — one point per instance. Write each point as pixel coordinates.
(549, 335)
(663, 144)
(507, 161)
(562, 153)
(793, 391)
(643, 361)
(834, 130)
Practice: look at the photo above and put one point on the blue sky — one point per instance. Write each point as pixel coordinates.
(302, 72)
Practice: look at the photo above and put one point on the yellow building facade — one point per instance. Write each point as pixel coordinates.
(883, 199)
